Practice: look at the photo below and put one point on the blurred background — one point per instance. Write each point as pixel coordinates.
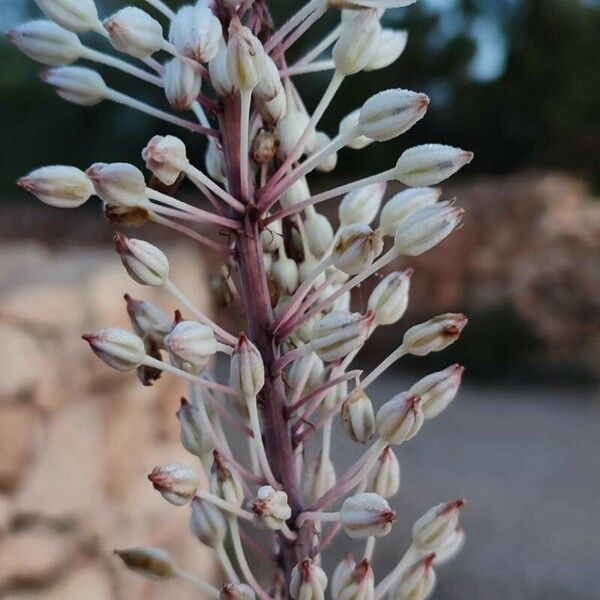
(517, 82)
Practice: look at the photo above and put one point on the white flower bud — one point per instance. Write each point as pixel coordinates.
(416, 583)
(269, 85)
(274, 110)
(350, 123)
(450, 548)
(75, 15)
(389, 300)
(290, 128)
(430, 164)
(246, 371)
(225, 483)
(319, 233)
(358, 42)
(401, 206)
(357, 584)
(358, 416)
(246, 62)
(177, 484)
(307, 267)
(384, 477)
(148, 320)
(400, 419)
(367, 514)
(145, 263)
(217, 69)
(215, 162)
(134, 32)
(426, 228)
(356, 248)
(390, 113)
(236, 591)
(77, 84)
(337, 334)
(196, 32)
(118, 348)
(335, 395)
(165, 156)
(436, 526)
(298, 370)
(191, 345)
(320, 140)
(285, 274)
(118, 184)
(46, 42)
(362, 204)
(194, 430)
(208, 523)
(154, 563)
(391, 45)
(271, 507)
(308, 581)
(270, 236)
(58, 186)
(341, 575)
(438, 390)
(182, 84)
(296, 193)
(434, 335)
(316, 484)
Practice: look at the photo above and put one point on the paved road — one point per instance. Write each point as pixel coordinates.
(529, 466)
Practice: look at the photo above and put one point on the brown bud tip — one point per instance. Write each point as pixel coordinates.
(412, 402)
(456, 505)
(361, 570)
(408, 272)
(121, 242)
(24, 183)
(389, 517)
(178, 318)
(89, 338)
(428, 561)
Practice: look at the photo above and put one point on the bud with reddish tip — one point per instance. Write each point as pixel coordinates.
(154, 563)
(208, 523)
(196, 32)
(191, 345)
(358, 42)
(269, 85)
(341, 574)
(434, 335)
(118, 184)
(176, 483)
(417, 582)
(246, 371)
(134, 32)
(118, 348)
(148, 320)
(182, 84)
(58, 186)
(401, 206)
(271, 507)
(438, 390)
(308, 581)
(430, 164)
(165, 156)
(356, 584)
(436, 526)
(194, 430)
(400, 419)
(384, 477)
(77, 84)
(245, 57)
(366, 515)
(391, 46)
(450, 548)
(319, 233)
(356, 248)
(361, 205)
(285, 274)
(337, 334)
(225, 483)
(145, 263)
(358, 416)
(236, 591)
(389, 300)
(74, 15)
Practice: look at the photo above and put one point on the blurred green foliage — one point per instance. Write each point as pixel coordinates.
(541, 107)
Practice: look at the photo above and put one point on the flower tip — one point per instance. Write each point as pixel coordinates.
(428, 561)
(89, 337)
(120, 241)
(408, 272)
(467, 157)
(24, 182)
(389, 517)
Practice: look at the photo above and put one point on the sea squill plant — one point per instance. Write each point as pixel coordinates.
(288, 268)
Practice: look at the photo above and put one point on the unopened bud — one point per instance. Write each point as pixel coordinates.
(191, 345)
(434, 335)
(269, 85)
(176, 483)
(384, 477)
(426, 228)
(298, 369)
(430, 164)
(273, 111)
(194, 430)
(271, 507)
(357, 584)
(389, 300)
(154, 563)
(118, 184)
(118, 348)
(319, 478)
(358, 42)
(148, 320)
(401, 206)
(245, 57)
(214, 161)
(390, 113)
(320, 141)
(435, 527)
(270, 236)
(450, 548)
(417, 582)
(196, 32)
(391, 45)
(182, 84)
(237, 591)
(350, 123)
(75, 15)
(247, 371)
(400, 419)
(58, 186)
(145, 263)
(365, 515)
(208, 523)
(295, 193)
(358, 416)
(77, 84)
(285, 274)
(308, 581)
(134, 32)
(290, 128)
(337, 334)
(341, 575)
(335, 395)
(438, 390)
(225, 483)
(46, 42)
(361, 205)
(165, 156)
(319, 233)
(356, 247)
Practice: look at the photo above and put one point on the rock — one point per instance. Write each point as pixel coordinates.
(5, 515)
